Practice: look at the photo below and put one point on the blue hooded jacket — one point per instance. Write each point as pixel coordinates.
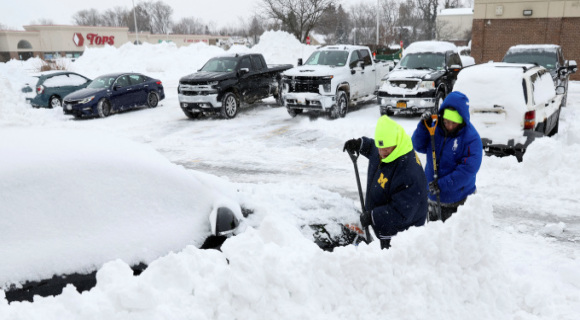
(458, 155)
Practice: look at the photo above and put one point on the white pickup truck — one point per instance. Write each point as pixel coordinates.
(332, 78)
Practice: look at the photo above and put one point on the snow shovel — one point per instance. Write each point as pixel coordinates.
(431, 130)
(354, 157)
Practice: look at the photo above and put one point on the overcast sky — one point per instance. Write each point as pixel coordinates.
(223, 12)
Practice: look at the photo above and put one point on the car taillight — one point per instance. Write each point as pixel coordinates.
(39, 89)
(530, 120)
(158, 82)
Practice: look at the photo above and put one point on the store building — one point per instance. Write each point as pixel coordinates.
(454, 25)
(498, 25)
(52, 41)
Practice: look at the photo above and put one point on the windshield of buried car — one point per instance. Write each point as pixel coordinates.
(328, 58)
(545, 59)
(435, 61)
(221, 64)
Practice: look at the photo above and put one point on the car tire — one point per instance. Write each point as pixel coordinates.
(152, 99)
(191, 115)
(230, 105)
(294, 112)
(103, 108)
(341, 107)
(54, 102)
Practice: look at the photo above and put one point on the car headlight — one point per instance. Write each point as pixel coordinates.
(87, 100)
(383, 81)
(427, 85)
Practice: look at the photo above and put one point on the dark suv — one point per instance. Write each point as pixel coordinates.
(421, 80)
(549, 56)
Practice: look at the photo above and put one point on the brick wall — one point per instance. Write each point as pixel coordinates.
(491, 38)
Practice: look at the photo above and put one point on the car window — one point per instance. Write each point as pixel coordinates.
(101, 82)
(122, 81)
(355, 56)
(544, 58)
(454, 59)
(257, 63)
(366, 57)
(543, 87)
(77, 80)
(245, 63)
(136, 79)
(434, 61)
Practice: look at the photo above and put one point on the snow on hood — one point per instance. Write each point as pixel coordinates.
(411, 73)
(312, 71)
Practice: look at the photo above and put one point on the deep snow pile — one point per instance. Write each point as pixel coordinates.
(473, 266)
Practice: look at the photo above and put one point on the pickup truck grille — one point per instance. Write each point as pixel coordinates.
(306, 84)
(408, 84)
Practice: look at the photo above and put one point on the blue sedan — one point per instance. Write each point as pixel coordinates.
(112, 93)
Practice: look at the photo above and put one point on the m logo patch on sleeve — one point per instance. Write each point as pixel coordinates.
(382, 180)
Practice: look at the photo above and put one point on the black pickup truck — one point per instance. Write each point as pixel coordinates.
(227, 82)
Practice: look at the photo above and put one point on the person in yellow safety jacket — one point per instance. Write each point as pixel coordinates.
(396, 197)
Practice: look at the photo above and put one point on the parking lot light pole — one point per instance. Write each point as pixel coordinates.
(135, 19)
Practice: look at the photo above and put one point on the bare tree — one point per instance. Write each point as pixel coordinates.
(256, 29)
(90, 17)
(190, 25)
(428, 10)
(335, 25)
(116, 17)
(298, 17)
(43, 21)
(160, 15)
(364, 21)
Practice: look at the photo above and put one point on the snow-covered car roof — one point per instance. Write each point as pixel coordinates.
(347, 47)
(125, 201)
(430, 46)
(491, 85)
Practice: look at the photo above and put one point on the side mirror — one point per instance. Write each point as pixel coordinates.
(572, 66)
(352, 71)
(243, 71)
(299, 62)
(116, 87)
(560, 90)
(455, 68)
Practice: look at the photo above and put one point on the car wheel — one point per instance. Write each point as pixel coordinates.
(438, 101)
(152, 99)
(55, 102)
(341, 107)
(104, 108)
(230, 105)
(191, 115)
(294, 112)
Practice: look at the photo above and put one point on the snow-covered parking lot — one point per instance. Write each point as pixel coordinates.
(512, 252)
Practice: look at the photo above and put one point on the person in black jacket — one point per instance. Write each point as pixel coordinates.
(396, 197)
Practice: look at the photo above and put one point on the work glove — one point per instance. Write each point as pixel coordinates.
(366, 219)
(352, 146)
(426, 116)
(434, 187)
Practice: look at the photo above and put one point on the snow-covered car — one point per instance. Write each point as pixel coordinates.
(331, 79)
(73, 200)
(421, 80)
(112, 93)
(48, 88)
(549, 56)
(511, 105)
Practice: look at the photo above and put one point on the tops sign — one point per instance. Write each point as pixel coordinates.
(93, 39)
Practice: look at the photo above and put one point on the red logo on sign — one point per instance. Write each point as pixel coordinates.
(78, 39)
(96, 39)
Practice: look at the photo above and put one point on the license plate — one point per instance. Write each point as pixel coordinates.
(401, 104)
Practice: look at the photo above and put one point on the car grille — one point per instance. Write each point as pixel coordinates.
(71, 102)
(408, 84)
(306, 84)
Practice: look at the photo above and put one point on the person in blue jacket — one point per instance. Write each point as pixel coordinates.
(396, 198)
(458, 151)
